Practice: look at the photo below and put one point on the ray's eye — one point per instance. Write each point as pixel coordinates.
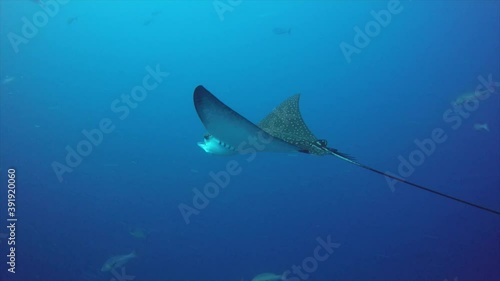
(206, 136)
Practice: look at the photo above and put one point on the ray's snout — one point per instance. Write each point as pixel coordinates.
(214, 146)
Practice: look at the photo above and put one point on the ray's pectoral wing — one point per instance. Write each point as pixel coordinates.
(232, 128)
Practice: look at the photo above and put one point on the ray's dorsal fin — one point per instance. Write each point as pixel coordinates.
(286, 122)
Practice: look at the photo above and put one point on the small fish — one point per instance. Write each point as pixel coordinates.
(8, 79)
(138, 232)
(117, 261)
(481, 127)
(71, 20)
(268, 277)
(148, 22)
(460, 100)
(281, 31)
(155, 13)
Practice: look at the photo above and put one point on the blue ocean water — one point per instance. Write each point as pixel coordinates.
(377, 78)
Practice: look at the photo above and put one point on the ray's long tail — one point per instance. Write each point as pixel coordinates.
(352, 161)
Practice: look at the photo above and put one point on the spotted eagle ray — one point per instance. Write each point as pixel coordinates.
(283, 130)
